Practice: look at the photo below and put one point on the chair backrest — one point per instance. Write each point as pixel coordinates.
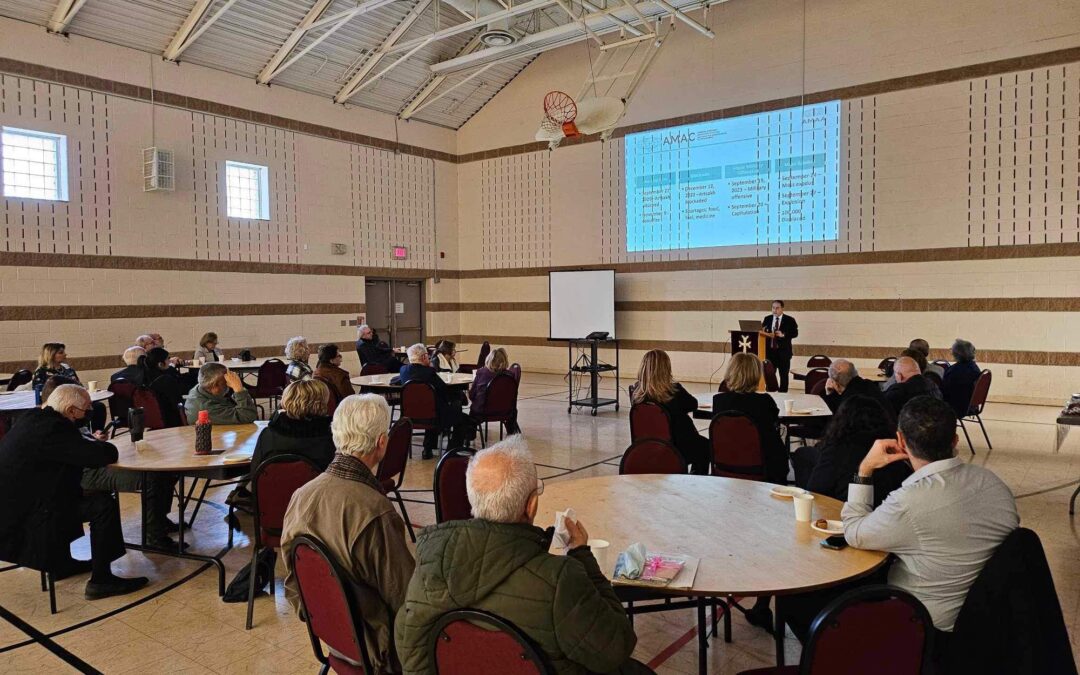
(501, 398)
(943, 363)
(21, 377)
(451, 498)
(722, 387)
(472, 642)
(481, 357)
(886, 365)
(153, 417)
(418, 404)
(332, 404)
(818, 389)
(272, 378)
(120, 403)
(872, 629)
(980, 392)
(769, 373)
(329, 602)
(813, 376)
(183, 414)
(397, 453)
(373, 369)
(273, 483)
(818, 361)
(649, 420)
(736, 446)
(651, 455)
(516, 368)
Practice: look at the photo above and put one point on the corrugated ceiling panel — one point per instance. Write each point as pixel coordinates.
(147, 25)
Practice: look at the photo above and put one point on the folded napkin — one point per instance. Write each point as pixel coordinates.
(631, 562)
(561, 539)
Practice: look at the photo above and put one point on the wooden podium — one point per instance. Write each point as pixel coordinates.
(749, 342)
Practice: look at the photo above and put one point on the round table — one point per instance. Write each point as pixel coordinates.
(812, 404)
(24, 400)
(748, 542)
(376, 383)
(249, 366)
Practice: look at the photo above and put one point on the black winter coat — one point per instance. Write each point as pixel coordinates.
(284, 435)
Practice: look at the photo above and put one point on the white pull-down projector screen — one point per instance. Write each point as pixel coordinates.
(581, 303)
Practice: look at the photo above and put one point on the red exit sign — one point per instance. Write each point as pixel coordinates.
(400, 253)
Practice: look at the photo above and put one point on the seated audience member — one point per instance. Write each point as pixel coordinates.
(827, 467)
(655, 384)
(742, 377)
(208, 348)
(371, 350)
(844, 382)
(959, 381)
(497, 362)
(346, 510)
(51, 362)
(147, 342)
(132, 371)
(329, 369)
(445, 358)
(910, 382)
(942, 524)
(447, 402)
(164, 381)
(923, 347)
(300, 427)
(297, 352)
(501, 565)
(43, 506)
(222, 393)
(160, 343)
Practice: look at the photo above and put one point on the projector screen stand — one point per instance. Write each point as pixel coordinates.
(588, 361)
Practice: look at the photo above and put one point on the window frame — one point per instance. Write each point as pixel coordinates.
(62, 191)
(263, 189)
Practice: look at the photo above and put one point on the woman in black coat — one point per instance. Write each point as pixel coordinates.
(301, 427)
(656, 385)
(164, 381)
(742, 378)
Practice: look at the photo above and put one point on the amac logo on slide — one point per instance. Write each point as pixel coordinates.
(678, 137)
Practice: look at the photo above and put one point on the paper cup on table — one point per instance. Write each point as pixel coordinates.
(804, 507)
(601, 549)
(789, 405)
(92, 386)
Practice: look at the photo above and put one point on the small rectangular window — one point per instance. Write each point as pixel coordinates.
(34, 164)
(247, 190)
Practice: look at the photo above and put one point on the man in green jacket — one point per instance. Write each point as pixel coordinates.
(213, 394)
(499, 562)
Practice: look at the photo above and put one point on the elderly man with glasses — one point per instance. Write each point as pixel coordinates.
(500, 564)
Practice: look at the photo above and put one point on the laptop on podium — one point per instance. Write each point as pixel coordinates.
(749, 325)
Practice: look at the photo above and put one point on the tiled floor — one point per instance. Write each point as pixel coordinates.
(178, 624)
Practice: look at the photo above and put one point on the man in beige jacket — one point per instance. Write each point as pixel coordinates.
(345, 510)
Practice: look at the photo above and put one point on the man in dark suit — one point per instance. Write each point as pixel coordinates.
(780, 329)
(910, 382)
(447, 402)
(42, 504)
(844, 383)
(372, 350)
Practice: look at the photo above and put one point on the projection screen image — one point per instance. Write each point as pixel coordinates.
(767, 178)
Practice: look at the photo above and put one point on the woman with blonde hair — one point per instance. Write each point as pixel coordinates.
(51, 362)
(655, 384)
(300, 427)
(744, 372)
(298, 351)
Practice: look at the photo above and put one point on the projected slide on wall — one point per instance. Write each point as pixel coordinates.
(766, 178)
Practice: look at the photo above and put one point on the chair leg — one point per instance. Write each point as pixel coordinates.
(1072, 501)
(727, 618)
(715, 611)
(44, 583)
(405, 515)
(325, 670)
(983, 427)
(52, 593)
(199, 503)
(964, 429)
(251, 587)
(630, 612)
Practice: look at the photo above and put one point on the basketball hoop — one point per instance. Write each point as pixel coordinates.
(560, 109)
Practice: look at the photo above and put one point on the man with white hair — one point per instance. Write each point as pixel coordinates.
(132, 371)
(146, 341)
(371, 350)
(498, 562)
(910, 382)
(844, 382)
(222, 393)
(447, 403)
(42, 505)
(346, 510)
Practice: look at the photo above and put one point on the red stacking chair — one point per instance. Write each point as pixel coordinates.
(272, 381)
(814, 376)
(273, 483)
(818, 361)
(769, 373)
(21, 377)
(451, 498)
(942, 363)
(120, 403)
(651, 455)
(886, 365)
(649, 420)
(978, 401)
(328, 598)
(391, 471)
(736, 446)
(418, 405)
(873, 629)
(500, 405)
(153, 417)
(485, 349)
(515, 368)
(472, 642)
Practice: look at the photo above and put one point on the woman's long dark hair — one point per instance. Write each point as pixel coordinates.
(860, 420)
(151, 363)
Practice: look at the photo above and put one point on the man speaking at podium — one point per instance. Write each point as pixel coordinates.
(779, 329)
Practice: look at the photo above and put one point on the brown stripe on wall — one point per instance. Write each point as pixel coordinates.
(764, 305)
(61, 312)
(1004, 356)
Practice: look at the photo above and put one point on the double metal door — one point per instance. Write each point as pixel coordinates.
(395, 310)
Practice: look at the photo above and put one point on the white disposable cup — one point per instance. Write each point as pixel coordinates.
(601, 549)
(789, 405)
(804, 507)
(92, 386)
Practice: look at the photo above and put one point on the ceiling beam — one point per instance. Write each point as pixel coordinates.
(271, 68)
(356, 82)
(514, 10)
(63, 14)
(434, 83)
(190, 30)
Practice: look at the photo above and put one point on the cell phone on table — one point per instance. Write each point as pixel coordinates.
(835, 542)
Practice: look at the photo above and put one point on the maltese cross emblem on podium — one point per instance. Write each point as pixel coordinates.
(744, 343)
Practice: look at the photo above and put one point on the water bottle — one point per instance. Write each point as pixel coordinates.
(37, 394)
(137, 423)
(203, 442)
